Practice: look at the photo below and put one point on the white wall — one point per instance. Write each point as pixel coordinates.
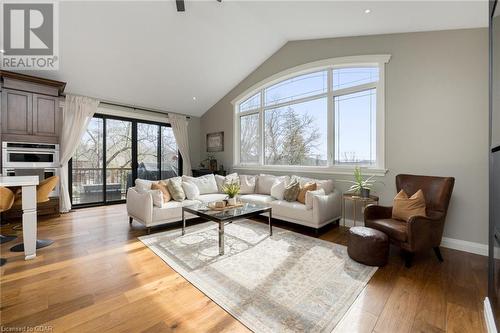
(436, 112)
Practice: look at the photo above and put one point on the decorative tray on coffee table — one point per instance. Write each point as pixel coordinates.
(211, 206)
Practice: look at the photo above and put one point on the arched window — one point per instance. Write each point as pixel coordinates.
(326, 116)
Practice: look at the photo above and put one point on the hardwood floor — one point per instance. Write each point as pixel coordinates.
(98, 277)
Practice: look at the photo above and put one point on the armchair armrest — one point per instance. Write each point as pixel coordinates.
(140, 205)
(326, 207)
(425, 232)
(375, 212)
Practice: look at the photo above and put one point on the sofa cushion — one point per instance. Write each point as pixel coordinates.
(264, 183)
(291, 210)
(304, 189)
(247, 184)
(206, 183)
(278, 190)
(221, 180)
(325, 184)
(206, 198)
(292, 190)
(395, 229)
(162, 186)
(191, 190)
(171, 210)
(143, 185)
(175, 189)
(257, 198)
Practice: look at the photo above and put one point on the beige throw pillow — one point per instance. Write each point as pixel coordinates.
(292, 190)
(403, 207)
(175, 188)
(303, 190)
(162, 186)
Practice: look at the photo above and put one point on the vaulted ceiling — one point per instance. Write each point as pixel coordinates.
(147, 54)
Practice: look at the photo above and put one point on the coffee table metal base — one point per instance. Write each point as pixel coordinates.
(221, 228)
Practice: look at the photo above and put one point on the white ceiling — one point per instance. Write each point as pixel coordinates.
(147, 54)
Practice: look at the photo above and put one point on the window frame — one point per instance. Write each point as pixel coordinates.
(323, 65)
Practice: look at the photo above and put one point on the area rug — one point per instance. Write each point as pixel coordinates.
(288, 282)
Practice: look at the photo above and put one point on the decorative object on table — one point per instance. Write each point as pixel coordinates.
(270, 296)
(213, 165)
(219, 204)
(215, 142)
(361, 186)
(371, 200)
(223, 206)
(368, 246)
(232, 190)
(419, 233)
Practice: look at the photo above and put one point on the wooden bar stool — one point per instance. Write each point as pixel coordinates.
(6, 203)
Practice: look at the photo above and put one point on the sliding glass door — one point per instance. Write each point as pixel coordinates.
(118, 158)
(122, 149)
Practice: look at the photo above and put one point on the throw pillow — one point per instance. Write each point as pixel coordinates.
(278, 190)
(310, 195)
(191, 190)
(157, 196)
(175, 188)
(247, 184)
(162, 186)
(325, 184)
(143, 185)
(264, 184)
(221, 180)
(292, 190)
(403, 207)
(206, 184)
(303, 190)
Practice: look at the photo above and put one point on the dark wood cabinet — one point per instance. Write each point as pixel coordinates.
(30, 108)
(45, 115)
(17, 112)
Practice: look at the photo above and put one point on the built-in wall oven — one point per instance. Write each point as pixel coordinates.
(31, 159)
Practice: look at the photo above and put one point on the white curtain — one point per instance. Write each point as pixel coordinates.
(180, 128)
(76, 115)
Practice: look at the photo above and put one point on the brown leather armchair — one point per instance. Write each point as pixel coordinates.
(420, 232)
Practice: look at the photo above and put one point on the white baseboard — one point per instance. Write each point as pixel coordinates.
(488, 317)
(450, 243)
(461, 245)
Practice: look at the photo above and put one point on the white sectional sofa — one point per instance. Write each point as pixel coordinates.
(321, 209)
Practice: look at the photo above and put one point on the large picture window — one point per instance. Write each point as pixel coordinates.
(115, 151)
(329, 117)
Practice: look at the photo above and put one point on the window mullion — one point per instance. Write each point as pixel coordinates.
(261, 129)
(331, 121)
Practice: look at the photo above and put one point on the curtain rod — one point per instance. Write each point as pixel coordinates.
(135, 107)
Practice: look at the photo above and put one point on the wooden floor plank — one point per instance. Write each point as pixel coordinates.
(99, 277)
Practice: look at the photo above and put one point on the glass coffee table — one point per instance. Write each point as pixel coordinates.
(226, 216)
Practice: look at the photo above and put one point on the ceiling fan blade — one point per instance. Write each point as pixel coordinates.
(180, 5)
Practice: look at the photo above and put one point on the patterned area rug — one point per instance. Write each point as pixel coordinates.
(285, 283)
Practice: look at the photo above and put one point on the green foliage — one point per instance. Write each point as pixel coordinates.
(359, 182)
(231, 189)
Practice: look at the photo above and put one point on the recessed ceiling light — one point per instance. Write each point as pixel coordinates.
(2, 51)
(368, 11)
(194, 98)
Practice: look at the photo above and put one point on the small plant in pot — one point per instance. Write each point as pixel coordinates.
(361, 186)
(232, 189)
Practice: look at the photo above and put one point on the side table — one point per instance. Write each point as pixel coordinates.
(372, 199)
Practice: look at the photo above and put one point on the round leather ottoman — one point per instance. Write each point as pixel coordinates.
(368, 246)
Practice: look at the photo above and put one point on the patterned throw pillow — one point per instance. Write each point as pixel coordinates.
(175, 188)
(162, 186)
(303, 190)
(292, 190)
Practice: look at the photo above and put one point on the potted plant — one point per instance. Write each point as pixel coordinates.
(361, 186)
(232, 189)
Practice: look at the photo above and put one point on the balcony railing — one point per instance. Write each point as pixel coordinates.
(88, 182)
